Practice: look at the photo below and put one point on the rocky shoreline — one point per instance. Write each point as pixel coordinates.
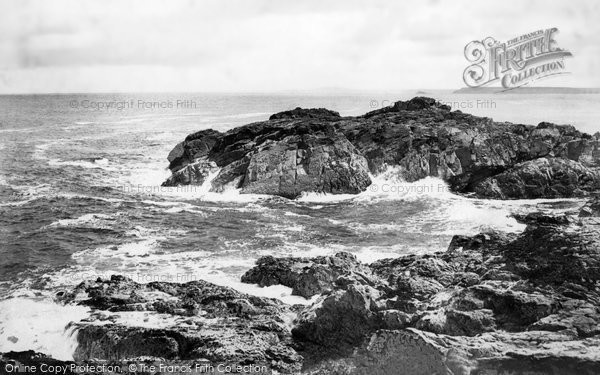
(493, 303)
(317, 150)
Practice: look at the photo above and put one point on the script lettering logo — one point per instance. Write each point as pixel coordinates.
(514, 63)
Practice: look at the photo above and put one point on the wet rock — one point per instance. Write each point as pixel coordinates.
(194, 147)
(340, 319)
(312, 113)
(306, 276)
(304, 163)
(295, 152)
(541, 178)
(591, 208)
(34, 363)
(176, 322)
(485, 304)
(418, 352)
(536, 218)
(195, 173)
(491, 303)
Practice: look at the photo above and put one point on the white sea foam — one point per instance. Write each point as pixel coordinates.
(101, 163)
(40, 325)
(17, 203)
(388, 185)
(144, 262)
(94, 219)
(29, 192)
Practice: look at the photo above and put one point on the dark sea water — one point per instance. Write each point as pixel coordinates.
(80, 197)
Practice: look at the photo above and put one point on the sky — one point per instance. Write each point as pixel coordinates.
(71, 46)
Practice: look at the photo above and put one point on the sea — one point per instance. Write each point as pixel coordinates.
(80, 198)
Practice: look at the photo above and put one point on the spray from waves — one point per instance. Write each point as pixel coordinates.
(388, 185)
(144, 262)
(39, 325)
(92, 220)
(27, 194)
(91, 163)
(149, 183)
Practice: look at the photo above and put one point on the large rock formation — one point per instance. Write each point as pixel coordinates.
(285, 156)
(317, 150)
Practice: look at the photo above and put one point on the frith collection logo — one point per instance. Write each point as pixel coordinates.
(514, 63)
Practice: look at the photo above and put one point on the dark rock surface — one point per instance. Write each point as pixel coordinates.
(521, 303)
(191, 321)
(28, 362)
(306, 276)
(280, 157)
(313, 113)
(493, 303)
(305, 150)
(591, 208)
(542, 178)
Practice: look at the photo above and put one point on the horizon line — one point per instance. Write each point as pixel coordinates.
(318, 91)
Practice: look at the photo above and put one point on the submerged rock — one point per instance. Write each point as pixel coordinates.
(316, 150)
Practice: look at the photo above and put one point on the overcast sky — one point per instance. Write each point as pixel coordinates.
(263, 45)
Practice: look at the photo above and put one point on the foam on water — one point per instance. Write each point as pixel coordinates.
(40, 325)
(387, 186)
(143, 262)
(100, 163)
(95, 220)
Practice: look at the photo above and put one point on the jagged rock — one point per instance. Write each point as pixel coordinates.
(194, 173)
(278, 157)
(303, 163)
(495, 302)
(306, 150)
(195, 146)
(417, 352)
(340, 319)
(591, 208)
(484, 304)
(195, 320)
(306, 276)
(15, 362)
(313, 113)
(536, 218)
(541, 178)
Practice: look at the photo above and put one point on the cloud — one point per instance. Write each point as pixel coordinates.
(240, 45)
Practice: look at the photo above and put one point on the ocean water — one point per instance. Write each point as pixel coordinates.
(80, 198)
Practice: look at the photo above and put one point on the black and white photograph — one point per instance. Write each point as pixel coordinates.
(310, 187)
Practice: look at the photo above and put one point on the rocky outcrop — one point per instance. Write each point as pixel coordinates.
(542, 178)
(591, 208)
(299, 113)
(178, 322)
(281, 157)
(306, 276)
(304, 150)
